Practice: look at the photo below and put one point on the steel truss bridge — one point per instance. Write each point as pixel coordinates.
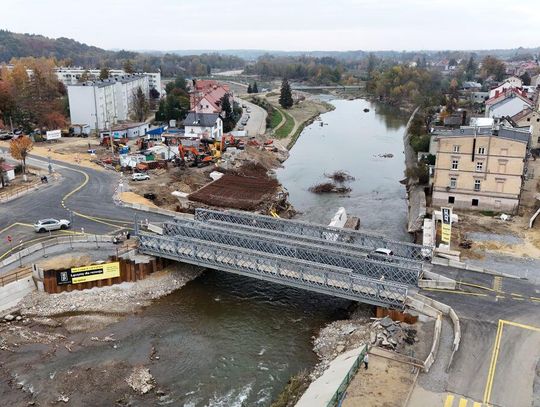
(324, 259)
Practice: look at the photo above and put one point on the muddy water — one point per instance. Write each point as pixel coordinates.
(352, 140)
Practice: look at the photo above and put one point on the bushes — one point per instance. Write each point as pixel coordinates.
(420, 143)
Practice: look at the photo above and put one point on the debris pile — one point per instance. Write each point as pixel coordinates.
(141, 380)
(340, 176)
(390, 334)
(327, 187)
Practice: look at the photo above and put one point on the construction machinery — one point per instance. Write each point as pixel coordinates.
(200, 159)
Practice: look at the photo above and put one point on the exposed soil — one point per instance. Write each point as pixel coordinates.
(246, 188)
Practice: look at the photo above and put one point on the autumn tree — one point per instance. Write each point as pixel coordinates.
(104, 73)
(85, 76)
(285, 97)
(493, 66)
(19, 149)
(140, 105)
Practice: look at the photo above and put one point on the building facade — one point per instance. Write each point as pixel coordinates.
(101, 104)
(530, 118)
(480, 168)
(72, 76)
(203, 126)
(508, 103)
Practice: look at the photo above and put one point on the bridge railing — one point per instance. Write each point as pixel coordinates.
(401, 249)
(316, 254)
(297, 273)
(330, 245)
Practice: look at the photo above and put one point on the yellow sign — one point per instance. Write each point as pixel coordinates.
(95, 272)
(446, 225)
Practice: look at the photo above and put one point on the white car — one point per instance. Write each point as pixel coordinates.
(46, 225)
(139, 176)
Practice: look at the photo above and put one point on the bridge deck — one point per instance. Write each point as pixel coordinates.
(332, 280)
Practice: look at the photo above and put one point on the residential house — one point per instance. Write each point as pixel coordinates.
(101, 104)
(507, 103)
(204, 126)
(529, 118)
(127, 130)
(480, 168)
(535, 81)
(509, 83)
(206, 96)
(8, 172)
(471, 85)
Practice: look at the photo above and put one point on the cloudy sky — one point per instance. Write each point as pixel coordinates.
(281, 24)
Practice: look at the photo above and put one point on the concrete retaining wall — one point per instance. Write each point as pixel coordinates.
(465, 266)
(12, 293)
(434, 280)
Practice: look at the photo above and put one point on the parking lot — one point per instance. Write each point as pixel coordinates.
(256, 124)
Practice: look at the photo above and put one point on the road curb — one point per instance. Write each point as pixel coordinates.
(464, 266)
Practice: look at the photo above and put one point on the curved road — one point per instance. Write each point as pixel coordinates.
(86, 192)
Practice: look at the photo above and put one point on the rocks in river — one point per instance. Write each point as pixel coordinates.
(366, 110)
(385, 155)
(141, 380)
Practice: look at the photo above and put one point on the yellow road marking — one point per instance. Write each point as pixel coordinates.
(15, 224)
(497, 283)
(516, 295)
(449, 401)
(495, 354)
(476, 404)
(455, 292)
(476, 285)
(463, 402)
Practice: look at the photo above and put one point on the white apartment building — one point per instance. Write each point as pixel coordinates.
(71, 76)
(101, 104)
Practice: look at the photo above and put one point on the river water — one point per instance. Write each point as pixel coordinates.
(226, 340)
(352, 140)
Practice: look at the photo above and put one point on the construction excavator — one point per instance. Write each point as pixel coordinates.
(199, 158)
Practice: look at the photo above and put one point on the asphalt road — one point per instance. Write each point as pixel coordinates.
(256, 124)
(499, 353)
(86, 192)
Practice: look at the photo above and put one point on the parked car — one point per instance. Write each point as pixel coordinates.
(248, 110)
(46, 225)
(6, 136)
(139, 176)
(243, 106)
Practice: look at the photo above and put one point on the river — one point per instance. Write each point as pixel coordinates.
(352, 140)
(226, 340)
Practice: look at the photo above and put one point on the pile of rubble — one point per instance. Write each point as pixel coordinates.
(390, 334)
(341, 336)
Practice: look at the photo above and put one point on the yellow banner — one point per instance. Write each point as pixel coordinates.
(95, 272)
(446, 225)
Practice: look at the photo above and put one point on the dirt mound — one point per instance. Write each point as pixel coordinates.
(328, 187)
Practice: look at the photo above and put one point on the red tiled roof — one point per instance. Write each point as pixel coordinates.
(506, 93)
(7, 167)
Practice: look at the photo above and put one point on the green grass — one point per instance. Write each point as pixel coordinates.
(275, 119)
(285, 129)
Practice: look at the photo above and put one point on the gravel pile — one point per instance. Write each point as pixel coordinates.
(121, 298)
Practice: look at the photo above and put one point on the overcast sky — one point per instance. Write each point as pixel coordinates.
(281, 24)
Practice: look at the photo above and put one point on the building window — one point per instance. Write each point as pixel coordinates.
(455, 164)
(453, 182)
(538, 141)
(502, 168)
(481, 150)
(451, 199)
(474, 202)
(477, 185)
(528, 119)
(456, 149)
(479, 166)
(500, 186)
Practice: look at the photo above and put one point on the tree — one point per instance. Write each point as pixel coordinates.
(470, 69)
(128, 67)
(85, 76)
(255, 89)
(154, 94)
(140, 105)
(228, 119)
(19, 149)
(104, 73)
(285, 97)
(55, 120)
(249, 89)
(526, 78)
(493, 66)
(2, 172)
